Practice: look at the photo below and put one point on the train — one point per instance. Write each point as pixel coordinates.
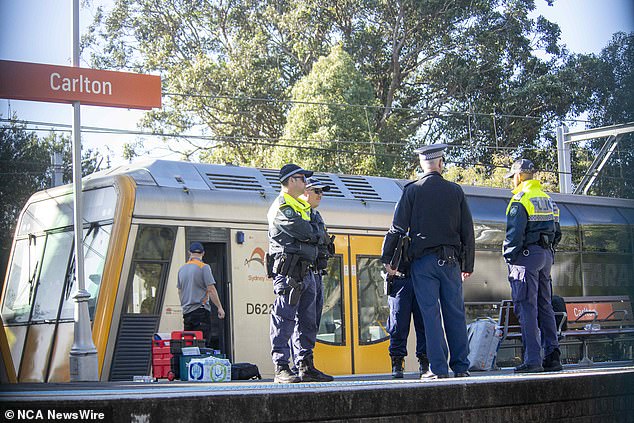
(139, 219)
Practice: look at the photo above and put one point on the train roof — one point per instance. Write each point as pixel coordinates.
(217, 177)
(205, 176)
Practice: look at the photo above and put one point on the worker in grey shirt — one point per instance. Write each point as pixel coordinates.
(196, 286)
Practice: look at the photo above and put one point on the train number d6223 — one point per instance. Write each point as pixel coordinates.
(259, 308)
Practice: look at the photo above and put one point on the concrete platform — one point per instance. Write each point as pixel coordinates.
(602, 393)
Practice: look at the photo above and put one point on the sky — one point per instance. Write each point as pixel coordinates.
(39, 31)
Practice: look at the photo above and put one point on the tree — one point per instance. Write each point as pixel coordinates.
(331, 137)
(458, 71)
(613, 103)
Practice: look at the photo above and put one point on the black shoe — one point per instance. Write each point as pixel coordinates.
(423, 365)
(309, 373)
(397, 367)
(283, 374)
(526, 368)
(552, 363)
(462, 374)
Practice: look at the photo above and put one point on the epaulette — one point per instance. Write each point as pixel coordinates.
(518, 196)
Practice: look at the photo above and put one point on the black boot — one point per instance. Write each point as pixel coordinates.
(397, 367)
(283, 374)
(423, 365)
(309, 373)
(552, 362)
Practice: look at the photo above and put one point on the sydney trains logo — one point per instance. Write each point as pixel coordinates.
(257, 255)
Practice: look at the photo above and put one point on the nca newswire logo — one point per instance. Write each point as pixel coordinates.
(54, 414)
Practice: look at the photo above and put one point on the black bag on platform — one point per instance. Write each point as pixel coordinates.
(244, 371)
(559, 305)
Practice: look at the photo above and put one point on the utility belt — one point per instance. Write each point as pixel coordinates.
(294, 268)
(446, 254)
(543, 241)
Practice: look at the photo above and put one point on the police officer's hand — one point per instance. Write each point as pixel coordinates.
(465, 275)
(389, 270)
(221, 313)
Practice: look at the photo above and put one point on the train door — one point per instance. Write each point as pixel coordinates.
(143, 301)
(352, 336)
(216, 257)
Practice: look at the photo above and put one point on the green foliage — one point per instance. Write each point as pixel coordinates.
(610, 76)
(331, 133)
(480, 75)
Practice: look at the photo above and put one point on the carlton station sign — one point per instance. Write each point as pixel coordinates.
(64, 84)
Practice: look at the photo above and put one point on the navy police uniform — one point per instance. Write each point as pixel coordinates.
(532, 231)
(291, 234)
(436, 215)
(323, 254)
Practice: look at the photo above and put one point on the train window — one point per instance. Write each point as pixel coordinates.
(54, 264)
(96, 239)
(144, 290)
(154, 243)
(57, 212)
(605, 239)
(570, 240)
(487, 209)
(152, 252)
(489, 235)
(373, 308)
(603, 229)
(25, 265)
(332, 327)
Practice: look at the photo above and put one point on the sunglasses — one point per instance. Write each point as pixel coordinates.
(318, 191)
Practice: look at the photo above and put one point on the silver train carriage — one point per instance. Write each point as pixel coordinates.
(140, 218)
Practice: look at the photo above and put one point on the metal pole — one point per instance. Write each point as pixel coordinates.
(83, 354)
(563, 160)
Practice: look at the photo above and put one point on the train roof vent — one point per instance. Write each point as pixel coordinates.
(142, 177)
(235, 182)
(334, 189)
(359, 187)
(272, 176)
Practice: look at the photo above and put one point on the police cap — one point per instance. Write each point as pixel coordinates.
(196, 247)
(291, 169)
(312, 183)
(430, 152)
(521, 166)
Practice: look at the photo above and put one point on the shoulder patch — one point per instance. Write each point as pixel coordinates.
(513, 211)
(518, 196)
(288, 211)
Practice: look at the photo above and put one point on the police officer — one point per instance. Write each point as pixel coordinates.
(313, 194)
(293, 244)
(196, 286)
(532, 230)
(435, 214)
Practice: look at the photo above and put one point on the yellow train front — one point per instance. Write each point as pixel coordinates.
(140, 218)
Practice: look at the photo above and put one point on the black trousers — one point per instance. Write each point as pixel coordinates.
(199, 319)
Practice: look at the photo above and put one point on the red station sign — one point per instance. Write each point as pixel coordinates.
(65, 84)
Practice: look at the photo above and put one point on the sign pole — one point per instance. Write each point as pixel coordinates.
(83, 354)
